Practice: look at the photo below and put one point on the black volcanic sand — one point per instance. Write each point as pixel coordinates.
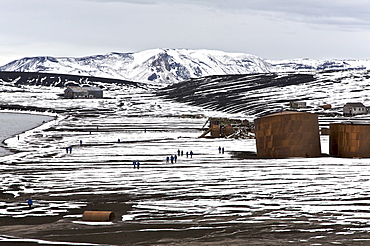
(120, 233)
(61, 229)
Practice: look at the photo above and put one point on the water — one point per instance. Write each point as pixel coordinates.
(14, 123)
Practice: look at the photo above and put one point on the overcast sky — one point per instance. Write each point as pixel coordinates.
(271, 29)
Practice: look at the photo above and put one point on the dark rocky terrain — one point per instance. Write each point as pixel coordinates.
(60, 80)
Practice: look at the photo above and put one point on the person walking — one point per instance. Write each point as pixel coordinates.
(167, 159)
(30, 203)
(137, 165)
(70, 150)
(191, 154)
(219, 149)
(187, 154)
(134, 164)
(172, 159)
(223, 150)
(178, 152)
(175, 158)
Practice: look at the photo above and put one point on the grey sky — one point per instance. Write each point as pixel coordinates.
(272, 29)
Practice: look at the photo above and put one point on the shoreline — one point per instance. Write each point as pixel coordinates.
(4, 149)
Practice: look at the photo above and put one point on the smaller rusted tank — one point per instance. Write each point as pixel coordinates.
(288, 134)
(349, 140)
(325, 131)
(98, 216)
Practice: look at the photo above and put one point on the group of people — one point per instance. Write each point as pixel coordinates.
(173, 158)
(221, 150)
(69, 150)
(136, 164)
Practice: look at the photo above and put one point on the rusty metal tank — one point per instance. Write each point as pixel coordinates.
(288, 134)
(349, 140)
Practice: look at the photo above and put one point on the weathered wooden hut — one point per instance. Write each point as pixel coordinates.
(350, 109)
(83, 92)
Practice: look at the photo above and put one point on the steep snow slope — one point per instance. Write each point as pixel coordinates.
(156, 65)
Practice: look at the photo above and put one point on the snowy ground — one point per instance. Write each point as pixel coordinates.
(210, 199)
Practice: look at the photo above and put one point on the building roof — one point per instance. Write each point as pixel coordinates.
(83, 89)
(357, 105)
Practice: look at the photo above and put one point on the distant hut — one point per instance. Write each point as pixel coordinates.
(83, 92)
(351, 109)
(296, 105)
(288, 134)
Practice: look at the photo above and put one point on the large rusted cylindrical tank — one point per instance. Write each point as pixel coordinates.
(288, 134)
(98, 216)
(349, 140)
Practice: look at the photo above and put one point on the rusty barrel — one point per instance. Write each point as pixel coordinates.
(98, 216)
(288, 134)
(349, 140)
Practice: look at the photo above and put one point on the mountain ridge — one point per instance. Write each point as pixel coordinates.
(167, 66)
(156, 66)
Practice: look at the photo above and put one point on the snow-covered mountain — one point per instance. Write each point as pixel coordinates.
(167, 66)
(156, 65)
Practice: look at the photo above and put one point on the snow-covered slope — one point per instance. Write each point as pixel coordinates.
(296, 65)
(156, 65)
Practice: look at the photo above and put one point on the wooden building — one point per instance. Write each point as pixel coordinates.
(351, 109)
(83, 92)
(225, 127)
(297, 105)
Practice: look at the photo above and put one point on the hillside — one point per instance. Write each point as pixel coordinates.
(261, 94)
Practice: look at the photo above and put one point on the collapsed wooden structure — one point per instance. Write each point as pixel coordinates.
(225, 127)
